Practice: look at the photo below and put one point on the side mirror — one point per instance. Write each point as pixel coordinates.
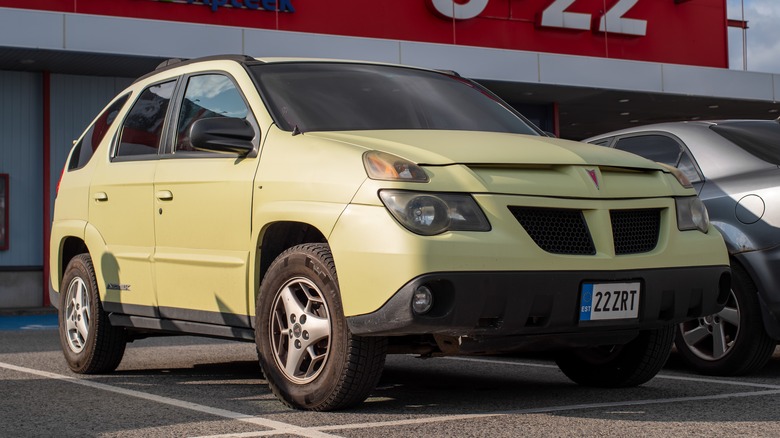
(222, 134)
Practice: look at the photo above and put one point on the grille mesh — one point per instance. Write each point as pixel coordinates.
(635, 231)
(556, 230)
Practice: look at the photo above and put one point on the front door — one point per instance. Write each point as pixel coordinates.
(203, 204)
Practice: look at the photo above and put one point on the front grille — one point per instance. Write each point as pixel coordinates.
(635, 231)
(556, 230)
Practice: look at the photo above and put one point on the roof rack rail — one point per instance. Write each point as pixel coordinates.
(177, 62)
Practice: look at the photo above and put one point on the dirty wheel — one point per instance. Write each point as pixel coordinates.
(90, 343)
(308, 355)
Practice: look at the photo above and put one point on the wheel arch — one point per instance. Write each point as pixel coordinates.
(278, 237)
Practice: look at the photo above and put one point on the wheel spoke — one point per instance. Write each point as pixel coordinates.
(316, 360)
(719, 346)
(730, 315)
(694, 336)
(291, 304)
(295, 357)
(83, 329)
(317, 328)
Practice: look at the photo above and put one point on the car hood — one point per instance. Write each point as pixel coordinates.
(521, 164)
(439, 148)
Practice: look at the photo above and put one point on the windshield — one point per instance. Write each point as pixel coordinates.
(320, 96)
(759, 137)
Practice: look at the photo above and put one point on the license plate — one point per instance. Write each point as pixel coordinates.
(607, 301)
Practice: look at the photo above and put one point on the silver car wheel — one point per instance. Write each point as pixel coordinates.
(300, 330)
(77, 316)
(713, 337)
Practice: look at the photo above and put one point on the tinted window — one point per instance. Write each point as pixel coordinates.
(760, 137)
(603, 142)
(661, 149)
(207, 96)
(84, 149)
(658, 148)
(143, 126)
(333, 97)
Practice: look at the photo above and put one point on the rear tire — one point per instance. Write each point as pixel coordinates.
(619, 366)
(308, 355)
(90, 343)
(733, 341)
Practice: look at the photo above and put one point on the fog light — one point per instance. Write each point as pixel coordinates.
(422, 301)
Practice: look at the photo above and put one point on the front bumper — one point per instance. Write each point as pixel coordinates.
(506, 304)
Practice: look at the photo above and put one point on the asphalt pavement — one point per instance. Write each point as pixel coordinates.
(185, 386)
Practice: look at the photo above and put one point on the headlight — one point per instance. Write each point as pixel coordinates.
(692, 214)
(434, 213)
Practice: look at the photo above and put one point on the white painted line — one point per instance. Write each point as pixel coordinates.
(659, 376)
(276, 426)
(502, 362)
(545, 410)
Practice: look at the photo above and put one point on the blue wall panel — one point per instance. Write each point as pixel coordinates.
(21, 156)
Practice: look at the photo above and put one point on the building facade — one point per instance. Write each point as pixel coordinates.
(574, 67)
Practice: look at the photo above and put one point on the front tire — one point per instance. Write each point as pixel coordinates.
(619, 366)
(308, 355)
(731, 342)
(90, 343)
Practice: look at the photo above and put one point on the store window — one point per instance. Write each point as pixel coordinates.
(3, 211)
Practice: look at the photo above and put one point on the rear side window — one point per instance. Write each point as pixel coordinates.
(760, 138)
(84, 149)
(143, 126)
(658, 148)
(661, 149)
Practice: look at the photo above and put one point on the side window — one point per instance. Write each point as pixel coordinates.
(602, 142)
(662, 149)
(84, 149)
(658, 148)
(209, 95)
(143, 126)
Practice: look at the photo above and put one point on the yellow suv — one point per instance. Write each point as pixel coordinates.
(332, 212)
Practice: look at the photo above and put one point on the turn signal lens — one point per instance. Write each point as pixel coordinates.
(387, 167)
(681, 178)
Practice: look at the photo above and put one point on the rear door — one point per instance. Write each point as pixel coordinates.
(121, 206)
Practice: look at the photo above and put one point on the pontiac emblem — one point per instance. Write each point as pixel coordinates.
(594, 177)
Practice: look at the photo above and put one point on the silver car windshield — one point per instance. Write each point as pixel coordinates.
(758, 137)
(320, 96)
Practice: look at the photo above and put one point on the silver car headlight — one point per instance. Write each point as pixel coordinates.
(434, 213)
(692, 214)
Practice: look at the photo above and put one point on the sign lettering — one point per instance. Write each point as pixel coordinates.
(554, 15)
(266, 5)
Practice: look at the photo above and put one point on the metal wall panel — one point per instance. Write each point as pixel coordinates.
(21, 157)
(75, 102)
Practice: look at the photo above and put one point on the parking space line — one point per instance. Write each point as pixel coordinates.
(530, 411)
(276, 426)
(547, 410)
(659, 376)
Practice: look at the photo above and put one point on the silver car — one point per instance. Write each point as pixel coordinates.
(735, 167)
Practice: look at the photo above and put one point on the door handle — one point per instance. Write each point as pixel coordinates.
(164, 195)
(100, 196)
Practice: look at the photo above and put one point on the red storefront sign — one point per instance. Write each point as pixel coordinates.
(692, 32)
